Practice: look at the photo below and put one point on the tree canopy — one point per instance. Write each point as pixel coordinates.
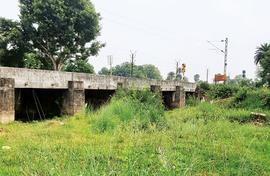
(139, 71)
(12, 46)
(55, 31)
(262, 59)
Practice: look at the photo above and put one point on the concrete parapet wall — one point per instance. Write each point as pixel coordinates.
(46, 79)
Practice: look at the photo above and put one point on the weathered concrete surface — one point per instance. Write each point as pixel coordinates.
(180, 97)
(44, 79)
(74, 99)
(75, 85)
(7, 100)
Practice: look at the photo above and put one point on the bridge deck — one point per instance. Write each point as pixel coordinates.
(45, 79)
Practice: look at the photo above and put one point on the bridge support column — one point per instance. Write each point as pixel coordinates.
(180, 97)
(7, 100)
(155, 89)
(74, 98)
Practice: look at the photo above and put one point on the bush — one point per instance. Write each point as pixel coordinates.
(252, 99)
(142, 108)
(222, 91)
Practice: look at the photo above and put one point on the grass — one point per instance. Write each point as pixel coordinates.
(201, 140)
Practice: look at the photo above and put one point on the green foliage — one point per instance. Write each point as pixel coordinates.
(79, 65)
(197, 78)
(50, 34)
(252, 99)
(139, 71)
(239, 80)
(192, 101)
(32, 61)
(262, 58)
(171, 76)
(202, 140)
(104, 71)
(222, 91)
(141, 108)
(12, 46)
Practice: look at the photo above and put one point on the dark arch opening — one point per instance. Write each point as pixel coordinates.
(37, 104)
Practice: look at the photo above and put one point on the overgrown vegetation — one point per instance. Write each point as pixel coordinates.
(140, 108)
(132, 135)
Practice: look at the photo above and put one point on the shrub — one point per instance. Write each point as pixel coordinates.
(142, 108)
(222, 91)
(192, 101)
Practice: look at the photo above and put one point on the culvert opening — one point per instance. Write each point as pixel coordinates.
(167, 97)
(96, 98)
(37, 104)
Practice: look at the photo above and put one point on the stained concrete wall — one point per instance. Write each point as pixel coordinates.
(75, 85)
(44, 79)
(74, 98)
(7, 100)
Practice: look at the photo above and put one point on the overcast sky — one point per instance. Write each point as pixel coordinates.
(165, 31)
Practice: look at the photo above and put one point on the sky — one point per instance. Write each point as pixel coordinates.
(163, 32)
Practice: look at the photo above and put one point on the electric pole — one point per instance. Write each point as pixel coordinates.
(110, 62)
(132, 56)
(207, 75)
(225, 52)
(226, 56)
(177, 69)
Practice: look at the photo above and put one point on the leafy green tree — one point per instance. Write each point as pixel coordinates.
(150, 71)
(32, 61)
(12, 46)
(262, 58)
(61, 30)
(141, 71)
(171, 76)
(104, 71)
(241, 81)
(197, 78)
(262, 53)
(123, 70)
(81, 66)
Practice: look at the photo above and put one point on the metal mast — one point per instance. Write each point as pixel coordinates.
(226, 56)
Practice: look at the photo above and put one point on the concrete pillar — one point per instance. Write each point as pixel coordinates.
(7, 100)
(74, 98)
(180, 97)
(156, 89)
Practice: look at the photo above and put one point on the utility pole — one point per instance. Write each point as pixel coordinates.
(110, 62)
(226, 56)
(177, 69)
(132, 56)
(207, 75)
(225, 52)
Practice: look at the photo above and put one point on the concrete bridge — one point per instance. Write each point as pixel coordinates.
(28, 94)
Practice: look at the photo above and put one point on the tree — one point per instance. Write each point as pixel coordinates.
(262, 53)
(150, 71)
(170, 76)
(123, 70)
(12, 46)
(262, 58)
(197, 78)
(80, 66)
(104, 71)
(61, 30)
(241, 81)
(139, 71)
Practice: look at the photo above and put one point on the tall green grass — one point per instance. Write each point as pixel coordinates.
(124, 138)
(139, 108)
